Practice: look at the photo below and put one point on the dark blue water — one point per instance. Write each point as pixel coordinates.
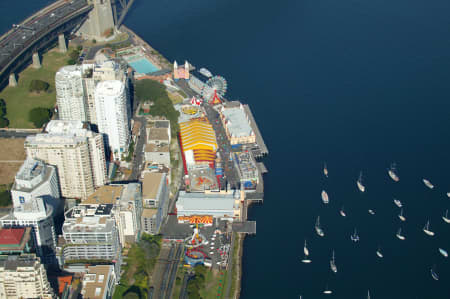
(358, 84)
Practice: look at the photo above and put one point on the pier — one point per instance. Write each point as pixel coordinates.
(262, 148)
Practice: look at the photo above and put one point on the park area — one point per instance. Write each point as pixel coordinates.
(12, 155)
(19, 100)
(140, 262)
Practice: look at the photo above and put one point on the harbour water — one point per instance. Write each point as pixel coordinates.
(358, 84)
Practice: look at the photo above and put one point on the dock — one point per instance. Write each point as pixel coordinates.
(262, 148)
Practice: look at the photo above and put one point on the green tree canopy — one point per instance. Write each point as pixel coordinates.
(39, 116)
(38, 86)
(2, 107)
(155, 92)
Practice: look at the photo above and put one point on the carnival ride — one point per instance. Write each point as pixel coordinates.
(189, 110)
(214, 89)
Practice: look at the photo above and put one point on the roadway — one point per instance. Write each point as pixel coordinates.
(231, 173)
(14, 41)
(138, 157)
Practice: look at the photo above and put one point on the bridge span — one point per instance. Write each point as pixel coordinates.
(39, 32)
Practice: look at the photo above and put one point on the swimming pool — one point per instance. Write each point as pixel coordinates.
(143, 66)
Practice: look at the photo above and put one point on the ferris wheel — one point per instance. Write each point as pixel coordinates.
(215, 87)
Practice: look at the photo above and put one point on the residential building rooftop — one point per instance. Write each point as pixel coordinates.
(150, 184)
(108, 194)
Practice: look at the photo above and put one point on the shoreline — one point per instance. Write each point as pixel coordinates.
(240, 236)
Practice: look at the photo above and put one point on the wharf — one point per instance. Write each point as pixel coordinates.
(262, 167)
(262, 148)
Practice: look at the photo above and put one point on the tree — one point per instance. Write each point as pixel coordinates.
(39, 116)
(152, 91)
(5, 197)
(4, 122)
(38, 86)
(2, 107)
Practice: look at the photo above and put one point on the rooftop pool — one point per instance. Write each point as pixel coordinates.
(143, 66)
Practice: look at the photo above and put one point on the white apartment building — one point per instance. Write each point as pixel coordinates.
(35, 213)
(155, 197)
(112, 115)
(36, 179)
(75, 88)
(77, 153)
(108, 70)
(70, 94)
(23, 277)
(90, 233)
(127, 208)
(98, 282)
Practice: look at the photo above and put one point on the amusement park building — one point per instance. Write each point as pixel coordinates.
(236, 123)
(198, 141)
(222, 204)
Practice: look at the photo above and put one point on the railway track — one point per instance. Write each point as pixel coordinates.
(169, 275)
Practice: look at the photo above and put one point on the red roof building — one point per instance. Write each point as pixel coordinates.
(15, 240)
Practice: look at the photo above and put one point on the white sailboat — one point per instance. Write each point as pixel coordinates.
(368, 294)
(371, 212)
(359, 183)
(333, 264)
(325, 198)
(342, 212)
(427, 230)
(393, 173)
(327, 290)
(398, 203)
(428, 183)
(402, 218)
(443, 252)
(319, 230)
(354, 237)
(445, 217)
(448, 194)
(306, 260)
(380, 255)
(325, 169)
(305, 249)
(399, 234)
(434, 274)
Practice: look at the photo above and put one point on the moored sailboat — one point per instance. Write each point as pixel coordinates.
(354, 237)
(445, 217)
(333, 264)
(402, 218)
(379, 254)
(399, 235)
(434, 274)
(393, 173)
(325, 198)
(428, 183)
(359, 183)
(398, 203)
(443, 252)
(305, 249)
(427, 230)
(342, 212)
(319, 230)
(325, 169)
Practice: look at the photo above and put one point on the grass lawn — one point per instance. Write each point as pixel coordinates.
(19, 101)
(214, 279)
(175, 97)
(11, 149)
